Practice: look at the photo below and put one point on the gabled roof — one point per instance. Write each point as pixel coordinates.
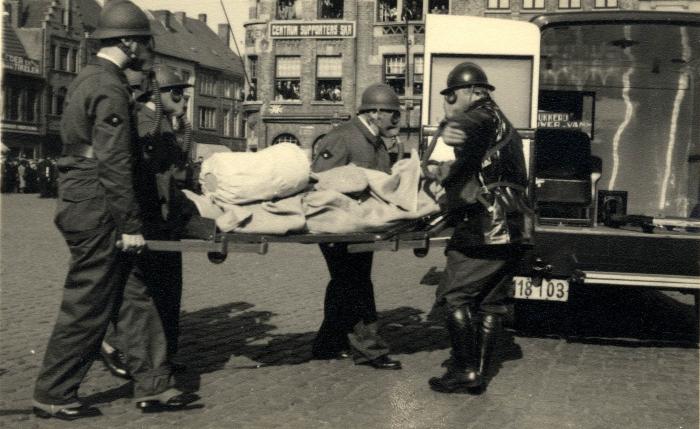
(90, 10)
(10, 42)
(34, 12)
(195, 41)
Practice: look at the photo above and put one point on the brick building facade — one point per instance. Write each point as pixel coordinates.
(47, 42)
(297, 49)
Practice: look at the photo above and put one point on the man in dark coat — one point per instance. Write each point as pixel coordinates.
(160, 176)
(485, 195)
(350, 312)
(97, 207)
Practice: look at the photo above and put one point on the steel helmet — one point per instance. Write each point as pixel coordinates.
(169, 78)
(121, 18)
(465, 75)
(379, 96)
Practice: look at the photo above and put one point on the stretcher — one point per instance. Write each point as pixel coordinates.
(202, 236)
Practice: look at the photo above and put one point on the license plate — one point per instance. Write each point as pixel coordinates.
(549, 290)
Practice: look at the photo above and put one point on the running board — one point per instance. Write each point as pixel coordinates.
(640, 280)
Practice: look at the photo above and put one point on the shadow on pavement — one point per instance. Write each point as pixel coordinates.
(211, 337)
(634, 317)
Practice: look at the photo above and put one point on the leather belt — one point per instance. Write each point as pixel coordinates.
(78, 149)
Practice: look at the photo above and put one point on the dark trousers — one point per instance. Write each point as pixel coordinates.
(99, 278)
(479, 277)
(350, 312)
(161, 272)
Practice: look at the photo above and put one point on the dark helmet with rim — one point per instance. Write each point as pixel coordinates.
(465, 75)
(379, 96)
(169, 78)
(122, 18)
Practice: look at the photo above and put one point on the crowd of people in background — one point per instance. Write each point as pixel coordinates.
(29, 175)
(329, 92)
(287, 90)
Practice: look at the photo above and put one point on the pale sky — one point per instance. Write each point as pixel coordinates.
(237, 11)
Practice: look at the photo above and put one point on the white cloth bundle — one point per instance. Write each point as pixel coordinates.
(244, 177)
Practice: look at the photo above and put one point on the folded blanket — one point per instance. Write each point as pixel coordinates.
(378, 202)
(278, 171)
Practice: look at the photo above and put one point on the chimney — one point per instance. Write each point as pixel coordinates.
(15, 12)
(202, 17)
(181, 16)
(225, 33)
(164, 18)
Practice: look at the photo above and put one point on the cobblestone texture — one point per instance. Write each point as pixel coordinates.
(620, 359)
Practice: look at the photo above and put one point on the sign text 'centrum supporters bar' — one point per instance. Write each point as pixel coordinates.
(316, 29)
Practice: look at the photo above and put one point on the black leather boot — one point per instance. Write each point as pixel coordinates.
(462, 375)
(490, 329)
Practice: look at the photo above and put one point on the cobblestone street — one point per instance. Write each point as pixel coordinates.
(619, 359)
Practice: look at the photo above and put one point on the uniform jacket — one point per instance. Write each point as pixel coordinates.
(486, 184)
(96, 169)
(351, 142)
(160, 174)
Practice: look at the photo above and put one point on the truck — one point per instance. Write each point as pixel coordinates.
(608, 105)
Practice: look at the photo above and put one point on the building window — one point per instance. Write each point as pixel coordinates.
(330, 9)
(387, 10)
(228, 89)
(329, 78)
(59, 97)
(498, 4)
(207, 118)
(66, 16)
(227, 123)
(76, 64)
(569, 4)
(28, 110)
(533, 4)
(253, 69)
(287, 78)
(11, 104)
(237, 130)
(411, 10)
(395, 72)
(605, 4)
(286, 138)
(439, 7)
(63, 59)
(207, 85)
(288, 9)
(417, 74)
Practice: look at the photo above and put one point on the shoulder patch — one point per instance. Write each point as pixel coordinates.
(113, 120)
(326, 154)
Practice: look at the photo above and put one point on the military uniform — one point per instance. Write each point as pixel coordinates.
(165, 210)
(350, 312)
(96, 205)
(485, 194)
(485, 247)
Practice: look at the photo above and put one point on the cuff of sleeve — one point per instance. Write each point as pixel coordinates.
(131, 226)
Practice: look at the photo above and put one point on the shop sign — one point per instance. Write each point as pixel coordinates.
(315, 29)
(20, 64)
(560, 120)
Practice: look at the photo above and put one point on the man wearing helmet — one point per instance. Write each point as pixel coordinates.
(164, 142)
(350, 313)
(97, 208)
(485, 188)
